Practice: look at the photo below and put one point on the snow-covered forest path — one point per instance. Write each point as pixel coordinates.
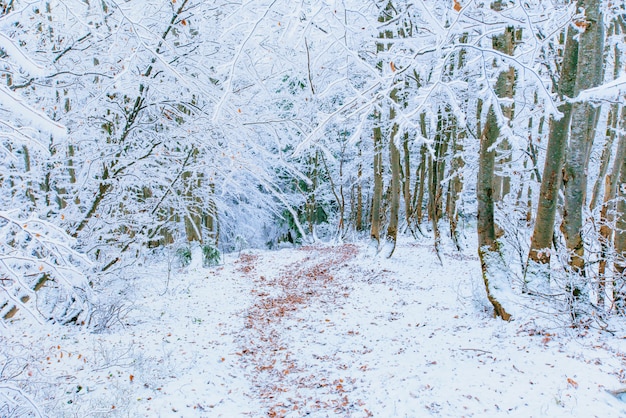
(338, 332)
(318, 331)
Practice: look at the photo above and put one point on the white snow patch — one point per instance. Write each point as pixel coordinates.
(368, 336)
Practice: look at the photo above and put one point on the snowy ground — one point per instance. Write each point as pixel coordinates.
(318, 331)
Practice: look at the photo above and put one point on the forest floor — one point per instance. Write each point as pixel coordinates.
(321, 331)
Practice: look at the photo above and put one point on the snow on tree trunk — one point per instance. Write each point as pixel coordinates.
(490, 260)
(582, 133)
(536, 274)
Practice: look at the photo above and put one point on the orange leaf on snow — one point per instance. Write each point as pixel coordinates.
(457, 5)
(572, 383)
(131, 378)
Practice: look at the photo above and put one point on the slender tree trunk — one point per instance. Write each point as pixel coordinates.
(378, 185)
(582, 131)
(359, 196)
(378, 211)
(406, 183)
(607, 213)
(435, 176)
(620, 225)
(619, 284)
(421, 179)
(394, 202)
(487, 245)
(606, 155)
(543, 231)
(454, 189)
(488, 251)
(312, 200)
(505, 88)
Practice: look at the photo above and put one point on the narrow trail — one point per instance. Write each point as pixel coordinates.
(277, 373)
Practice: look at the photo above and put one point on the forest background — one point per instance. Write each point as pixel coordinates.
(130, 129)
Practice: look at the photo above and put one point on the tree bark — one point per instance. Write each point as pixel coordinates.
(505, 88)
(582, 131)
(606, 156)
(394, 163)
(359, 196)
(487, 245)
(406, 183)
(543, 231)
(386, 15)
(378, 184)
(420, 181)
(620, 232)
(455, 187)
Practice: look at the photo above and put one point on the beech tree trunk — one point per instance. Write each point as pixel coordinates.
(394, 201)
(620, 238)
(541, 241)
(490, 258)
(607, 212)
(455, 187)
(487, 245)
(406, 183)
(378, 185)
(582, 131)
(377, 210)
(505, 88)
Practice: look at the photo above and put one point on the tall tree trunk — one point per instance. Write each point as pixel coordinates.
(487, 245)
(619, 242)
(490, 258)
(394, 163)
(455, 187)
(359, 196)
(406, 183)
(378, 184)
(435, 177)
(541, 241)
(420, 181)
(387, 14)
(607, 213)
(505, 88)
(311, 212)
(606, 155)
(617, 118)
(582, 131)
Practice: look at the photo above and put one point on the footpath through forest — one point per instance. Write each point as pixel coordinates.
(318, 331)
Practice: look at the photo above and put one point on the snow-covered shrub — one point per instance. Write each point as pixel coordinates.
(210, 255)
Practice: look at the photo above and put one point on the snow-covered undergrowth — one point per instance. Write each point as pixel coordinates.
(323, 331)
